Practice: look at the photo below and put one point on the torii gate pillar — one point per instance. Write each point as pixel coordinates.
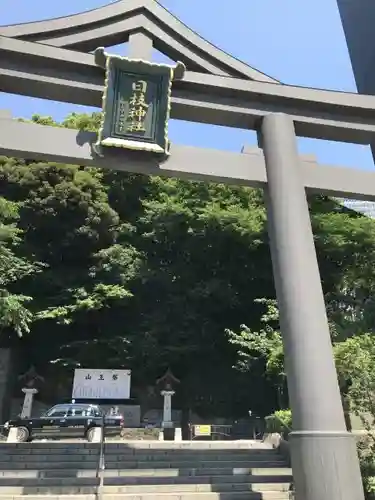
(323, 453)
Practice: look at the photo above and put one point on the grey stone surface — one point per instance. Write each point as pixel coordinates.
(162, 496)
(140, 46)
(358, 18)
(199, 97)
(185, 162)
(104, 26)
(5, 114)
(333, 458)
(191, 470)
(307, 343)
(320, 445)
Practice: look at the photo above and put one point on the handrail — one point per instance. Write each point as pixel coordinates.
(216, 430)
(101, 460)
(212, 434)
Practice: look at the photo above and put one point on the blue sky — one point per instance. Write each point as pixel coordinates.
(297, 42)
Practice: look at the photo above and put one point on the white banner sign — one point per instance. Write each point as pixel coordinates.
(101, 384)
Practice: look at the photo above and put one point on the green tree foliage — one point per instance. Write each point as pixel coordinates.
(345, 242)
(355, 361)
(15, 316)
(263, 347)
(354, 357)
(147, 273)
(279, 422)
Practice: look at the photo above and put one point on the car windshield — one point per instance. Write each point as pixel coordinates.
(75, 410)
(57, 411)
(88, 411)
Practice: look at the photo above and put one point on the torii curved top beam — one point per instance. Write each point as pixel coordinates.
(111, 25)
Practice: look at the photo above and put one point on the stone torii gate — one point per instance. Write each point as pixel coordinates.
(53, 60)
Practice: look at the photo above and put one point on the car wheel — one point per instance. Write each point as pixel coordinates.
(23, 434)
(90, 434)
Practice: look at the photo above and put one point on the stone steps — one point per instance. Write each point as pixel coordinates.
(129, 452)
(177, 464)
(144, 488)
(270, 495)
(145, 480)
(126, 458)
(144, 471)
(127, 446)
(134, 445)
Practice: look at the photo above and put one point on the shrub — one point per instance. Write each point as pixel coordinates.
(279, 422)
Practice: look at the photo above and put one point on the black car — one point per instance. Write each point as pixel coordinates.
(67, 421)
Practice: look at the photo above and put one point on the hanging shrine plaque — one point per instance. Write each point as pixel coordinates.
(136, 103)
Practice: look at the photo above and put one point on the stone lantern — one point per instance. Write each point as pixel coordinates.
(167, 384)
(30, 382)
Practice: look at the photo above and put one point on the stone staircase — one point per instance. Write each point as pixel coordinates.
(141, 470)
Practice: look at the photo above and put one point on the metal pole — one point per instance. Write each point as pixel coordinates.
(324, 457)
